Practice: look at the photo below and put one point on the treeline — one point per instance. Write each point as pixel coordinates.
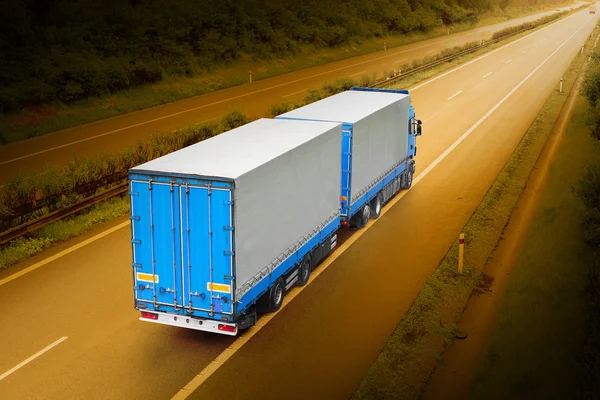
(65, 50)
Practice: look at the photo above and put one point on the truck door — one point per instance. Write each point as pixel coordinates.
(156, 238)
(207, 245)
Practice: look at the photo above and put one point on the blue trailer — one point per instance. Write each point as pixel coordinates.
(223, 228)
(379, 132)
(226, 226)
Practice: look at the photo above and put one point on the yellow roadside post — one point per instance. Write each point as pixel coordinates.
(461, 252)
(250, 76)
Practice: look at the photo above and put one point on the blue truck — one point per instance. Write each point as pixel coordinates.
(379, 131)
(222, 229)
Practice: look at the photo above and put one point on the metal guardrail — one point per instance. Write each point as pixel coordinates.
(54, 216)
(44, 220)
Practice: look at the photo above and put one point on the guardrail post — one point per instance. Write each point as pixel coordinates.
(384, 45)
(582, 49)
(250, 76)
(560, 85)
(461, 252)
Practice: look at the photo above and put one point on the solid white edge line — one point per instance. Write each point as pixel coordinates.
(509, 61)
(288, 83)
(486, 75)
(33, 357)
(213, 366)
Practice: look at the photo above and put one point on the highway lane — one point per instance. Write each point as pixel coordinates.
(331, 332)
(255, 99)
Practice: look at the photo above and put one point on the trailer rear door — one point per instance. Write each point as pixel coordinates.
(182, 246)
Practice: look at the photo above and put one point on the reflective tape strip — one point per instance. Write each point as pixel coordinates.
(147, 277)
(218, 287)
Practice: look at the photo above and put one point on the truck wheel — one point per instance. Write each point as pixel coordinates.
(304, 271)
(408, 178)
(376, 205)
(276, 294)
(365, 214)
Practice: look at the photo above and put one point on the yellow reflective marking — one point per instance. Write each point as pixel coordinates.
(147, 277)
(218, 287)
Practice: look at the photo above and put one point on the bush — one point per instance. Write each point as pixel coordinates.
(280, 108)
(234, 119)
(588, 189)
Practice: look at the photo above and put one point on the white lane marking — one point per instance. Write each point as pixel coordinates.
(294, 81)
(454, 95)
(486, 75)
(211, 368)
(33, 357)
(509, 61)
(430, 51)
(62, 253)
(291, 94)
(97, 136)
(486, 55)
(402, 59)
(524, 51)
(545, 38)
(358, 73)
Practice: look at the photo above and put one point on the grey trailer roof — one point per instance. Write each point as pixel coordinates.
(350, 106)
(238, 151)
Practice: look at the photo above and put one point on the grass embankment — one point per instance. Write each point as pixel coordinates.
(546, 343)
(533, 349)
(35, 121)
(53, 188)
(407, 360)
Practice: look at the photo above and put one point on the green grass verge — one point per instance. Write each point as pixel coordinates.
(23, 248)
(41, 120)
(534, 346)
(408, 358)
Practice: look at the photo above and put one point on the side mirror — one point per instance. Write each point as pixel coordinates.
(419, 127)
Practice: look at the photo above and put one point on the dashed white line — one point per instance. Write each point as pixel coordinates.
(33, 357)
(545, 38)
(402, 59)
(358, 73)
(509, 61)
(486, 75)
(454, 95)
(524, 51)
(291, 94)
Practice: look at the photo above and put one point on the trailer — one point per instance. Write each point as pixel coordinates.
(225, 227)
(379, 132)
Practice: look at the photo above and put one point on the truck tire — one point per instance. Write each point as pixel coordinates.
(276, 293)
(408, 179)
(376, 205)
(304, 270)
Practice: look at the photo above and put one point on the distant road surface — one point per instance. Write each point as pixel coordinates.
(255, 99)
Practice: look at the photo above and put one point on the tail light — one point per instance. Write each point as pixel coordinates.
(149, 315)
(227, 328)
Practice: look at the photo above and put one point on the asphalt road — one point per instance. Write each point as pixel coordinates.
(78, 307)
(116, 133)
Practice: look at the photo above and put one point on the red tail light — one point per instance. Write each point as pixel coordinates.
(227, 328)
(146, 314)
(345, 223)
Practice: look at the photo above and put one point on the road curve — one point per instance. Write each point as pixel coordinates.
(321, 344)
(116, 133)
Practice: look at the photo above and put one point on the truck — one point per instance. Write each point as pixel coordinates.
(222, 229)
(379, 131)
